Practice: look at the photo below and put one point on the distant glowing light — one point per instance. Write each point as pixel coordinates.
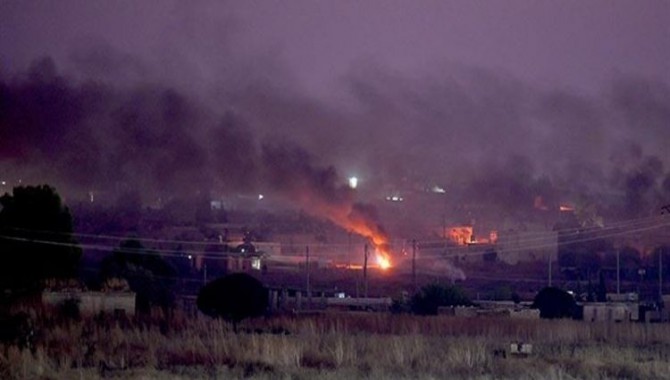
(566, 208)
(383, 262)
(439, 190)
(3, 183)
(395, 198)
(260, 197)
(190, 257)
(353, 182)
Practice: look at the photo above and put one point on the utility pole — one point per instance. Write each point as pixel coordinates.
(204, 274)
(365, 272)
(618, 273)
(414, 264)
(660, 275)
(307, 285)
(550, 268)
(444, 232)
(349, 250)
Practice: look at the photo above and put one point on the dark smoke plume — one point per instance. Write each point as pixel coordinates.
(152, 140)
(486, 138)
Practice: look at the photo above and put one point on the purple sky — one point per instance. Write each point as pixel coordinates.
(569, 44)
(554, 43)
(498, 97)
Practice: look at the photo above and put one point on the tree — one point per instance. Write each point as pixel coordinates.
(652, 260)
(490, 255)
(431, 297)
(148, 274)
(36, 240)
(555, 303)
(234, 298)
(629, 263)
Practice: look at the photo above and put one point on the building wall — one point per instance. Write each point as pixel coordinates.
(94, 302)
(610, 312)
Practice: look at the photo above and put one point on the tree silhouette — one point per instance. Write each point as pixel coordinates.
(233, 297)
(35, 238)
(555, 303)
(148, 275)
(431, 297)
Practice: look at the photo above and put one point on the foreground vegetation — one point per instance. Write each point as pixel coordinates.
(333, 346)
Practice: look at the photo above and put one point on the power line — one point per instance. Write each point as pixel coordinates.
(522, 245)
(566, 233)
(522, 248)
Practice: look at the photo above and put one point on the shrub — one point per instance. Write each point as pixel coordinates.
(430, 297)
(233, 297)
(555, 303)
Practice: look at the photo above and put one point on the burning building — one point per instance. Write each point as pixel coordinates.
(464, 235)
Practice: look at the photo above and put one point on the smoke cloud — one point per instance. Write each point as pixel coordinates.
(486, 138)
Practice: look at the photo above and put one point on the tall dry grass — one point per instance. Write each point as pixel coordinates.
(335, 346)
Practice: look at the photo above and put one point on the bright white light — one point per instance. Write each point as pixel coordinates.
(439, 190)
(260, 196)
(190, 257)
(353, 182)
(4, 183)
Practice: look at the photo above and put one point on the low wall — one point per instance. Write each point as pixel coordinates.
(94, 302)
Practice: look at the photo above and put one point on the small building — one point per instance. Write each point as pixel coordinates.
(349, 303)
(93, 302)
(498, 309)
(623, 297)
(525, 314)
(244, 262)
(458, 311)
(610, 312)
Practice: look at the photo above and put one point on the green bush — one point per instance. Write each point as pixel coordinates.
(233, 297)
(430, 297)
(555, 303)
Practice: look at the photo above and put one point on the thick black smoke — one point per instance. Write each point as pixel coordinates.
(93, 136)
(486, 138)
(152, 141)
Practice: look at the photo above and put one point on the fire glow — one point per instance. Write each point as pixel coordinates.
(318, 191)
(359, 222)
(383, 260)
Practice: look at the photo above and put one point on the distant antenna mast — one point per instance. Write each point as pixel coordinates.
(365, 271)
(307, 284)
(414, 263)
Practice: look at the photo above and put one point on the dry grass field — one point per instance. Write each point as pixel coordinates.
(335, 346)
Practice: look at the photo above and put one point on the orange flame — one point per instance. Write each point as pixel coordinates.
(365, 227)
(383, 261)
(347, 215)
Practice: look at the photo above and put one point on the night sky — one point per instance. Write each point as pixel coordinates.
(568, 44)
(544, 95)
